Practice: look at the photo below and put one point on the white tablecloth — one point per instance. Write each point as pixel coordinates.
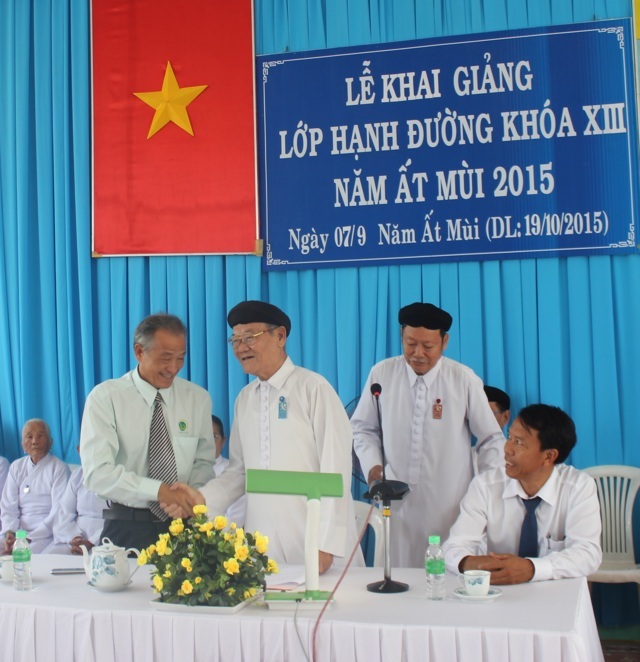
(64, 619)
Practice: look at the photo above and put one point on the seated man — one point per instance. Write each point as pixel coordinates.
(34, 484)
(77, 518)
(500, 404)
(4, 472)
(237, 510)
(535, 518)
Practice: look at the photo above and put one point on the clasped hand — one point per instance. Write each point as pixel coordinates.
(179, 499)
(504, 568)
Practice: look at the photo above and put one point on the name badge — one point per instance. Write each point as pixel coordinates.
(437, 410)
(282, 407)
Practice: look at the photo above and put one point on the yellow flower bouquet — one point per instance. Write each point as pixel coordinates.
(208, 562)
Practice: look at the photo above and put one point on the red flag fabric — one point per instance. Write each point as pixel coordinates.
(173, 127)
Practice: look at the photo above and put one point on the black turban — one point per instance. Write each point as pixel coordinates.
(426, 315)
(249, 312)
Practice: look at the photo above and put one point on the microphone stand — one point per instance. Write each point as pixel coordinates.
(386, 491)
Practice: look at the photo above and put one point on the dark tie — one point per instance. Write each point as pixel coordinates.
(162, 461)
(529, 534)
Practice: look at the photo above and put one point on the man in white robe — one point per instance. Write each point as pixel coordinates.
(77, 518)
(289, 419)
(4, 472)
(33, 485)
(431, 407)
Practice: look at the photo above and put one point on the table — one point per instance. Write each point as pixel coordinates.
(65, 619)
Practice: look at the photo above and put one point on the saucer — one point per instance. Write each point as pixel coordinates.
(109, 589)
(490, 597)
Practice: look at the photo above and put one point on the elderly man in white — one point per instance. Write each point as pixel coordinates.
(431, 408)
(34, 484)
(288, 419)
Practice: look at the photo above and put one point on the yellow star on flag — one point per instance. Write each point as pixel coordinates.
(170, 103)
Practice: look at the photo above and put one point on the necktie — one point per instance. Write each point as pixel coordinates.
(162, 461)
(529, 534)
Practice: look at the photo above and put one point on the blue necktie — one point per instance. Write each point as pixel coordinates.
(529, 534)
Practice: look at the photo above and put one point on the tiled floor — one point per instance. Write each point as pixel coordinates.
(621, 644)
(621, 651)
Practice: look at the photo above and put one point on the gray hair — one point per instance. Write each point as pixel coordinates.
(39, 420)
(146, 330)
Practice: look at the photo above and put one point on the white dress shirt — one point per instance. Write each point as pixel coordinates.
(28, 495)
(433, 455)
(568, 518)
(114, 437)
(292, 422)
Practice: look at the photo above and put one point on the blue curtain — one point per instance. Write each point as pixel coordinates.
(562, 331)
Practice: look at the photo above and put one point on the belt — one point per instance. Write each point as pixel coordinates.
(128, 514)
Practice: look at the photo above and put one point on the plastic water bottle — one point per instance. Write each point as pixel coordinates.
(434, 567)
(21, 562)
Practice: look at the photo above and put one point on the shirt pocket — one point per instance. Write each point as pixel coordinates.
(556, 545)
(185, 449)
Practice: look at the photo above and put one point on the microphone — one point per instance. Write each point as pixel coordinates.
(376, 390)
(387, 490)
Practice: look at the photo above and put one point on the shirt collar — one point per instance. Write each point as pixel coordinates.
(148, 391)
(278, 379)
(428, 379)
(547, 492)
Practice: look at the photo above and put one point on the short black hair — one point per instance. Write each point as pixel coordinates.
(500, 397)
(217, 421)
(555, 428)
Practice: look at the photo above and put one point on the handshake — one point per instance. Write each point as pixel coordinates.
(178, 500)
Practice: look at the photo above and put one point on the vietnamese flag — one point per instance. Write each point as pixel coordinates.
(174, 168)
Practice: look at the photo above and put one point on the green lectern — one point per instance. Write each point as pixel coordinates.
(313, 486)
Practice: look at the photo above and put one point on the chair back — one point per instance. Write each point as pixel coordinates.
(617, 489)
(375, 522)
(350, 407)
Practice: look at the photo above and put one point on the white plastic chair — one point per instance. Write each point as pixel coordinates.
(617, 489)
(362, 509)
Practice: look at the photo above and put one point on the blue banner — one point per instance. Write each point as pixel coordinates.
(481, 147)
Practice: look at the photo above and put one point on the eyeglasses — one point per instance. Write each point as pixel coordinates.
(248, 339)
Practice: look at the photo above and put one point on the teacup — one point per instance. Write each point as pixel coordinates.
(475, 582)
(6, 568)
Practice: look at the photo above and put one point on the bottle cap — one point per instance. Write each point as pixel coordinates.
(21, 533)
(434, 540)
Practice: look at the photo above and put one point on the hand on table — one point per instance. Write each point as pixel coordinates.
(179, 499)
(504, 568)
(75, 543)
(9, 539)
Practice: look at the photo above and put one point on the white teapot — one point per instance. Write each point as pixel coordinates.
(107, 567)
